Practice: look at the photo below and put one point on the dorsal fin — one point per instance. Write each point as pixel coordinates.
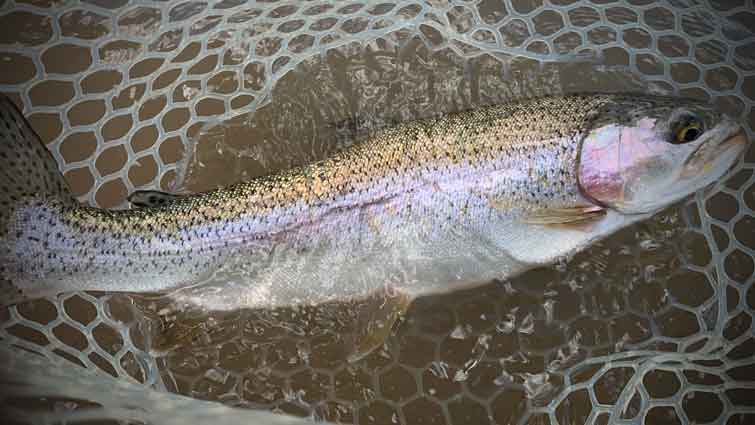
(151, 198)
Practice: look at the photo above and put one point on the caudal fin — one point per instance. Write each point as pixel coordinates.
(26, 166)
(27, 170)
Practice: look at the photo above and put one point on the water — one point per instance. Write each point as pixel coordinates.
(633, 320)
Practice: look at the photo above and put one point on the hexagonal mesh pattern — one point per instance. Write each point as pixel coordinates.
(653, 325)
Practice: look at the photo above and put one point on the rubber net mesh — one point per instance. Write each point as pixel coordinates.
(653, 325)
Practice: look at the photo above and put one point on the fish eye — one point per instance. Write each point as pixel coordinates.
(689, 129)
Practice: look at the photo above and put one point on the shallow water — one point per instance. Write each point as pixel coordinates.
(648, 322)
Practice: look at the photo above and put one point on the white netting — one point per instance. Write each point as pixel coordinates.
(654, 325)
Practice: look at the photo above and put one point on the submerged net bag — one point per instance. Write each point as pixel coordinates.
(653, 325)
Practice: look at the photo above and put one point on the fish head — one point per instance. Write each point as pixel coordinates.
(641, 155)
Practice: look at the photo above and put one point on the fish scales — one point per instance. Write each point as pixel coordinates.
(416, 206)
(195, 234)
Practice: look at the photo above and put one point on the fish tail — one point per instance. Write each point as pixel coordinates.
(27, 172)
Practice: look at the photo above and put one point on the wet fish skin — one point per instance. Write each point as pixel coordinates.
(425, 206)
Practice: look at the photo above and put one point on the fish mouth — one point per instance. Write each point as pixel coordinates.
(708, 164)
(738, 138)
(711, 158)
(729, 147)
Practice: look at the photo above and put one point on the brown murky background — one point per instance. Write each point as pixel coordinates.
(633, 327)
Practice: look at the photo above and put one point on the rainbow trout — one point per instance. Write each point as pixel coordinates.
(423, 207)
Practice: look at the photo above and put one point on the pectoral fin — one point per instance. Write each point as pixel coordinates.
(565, 216)
(151, 198)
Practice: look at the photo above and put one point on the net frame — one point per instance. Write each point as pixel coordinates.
(426, 20)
